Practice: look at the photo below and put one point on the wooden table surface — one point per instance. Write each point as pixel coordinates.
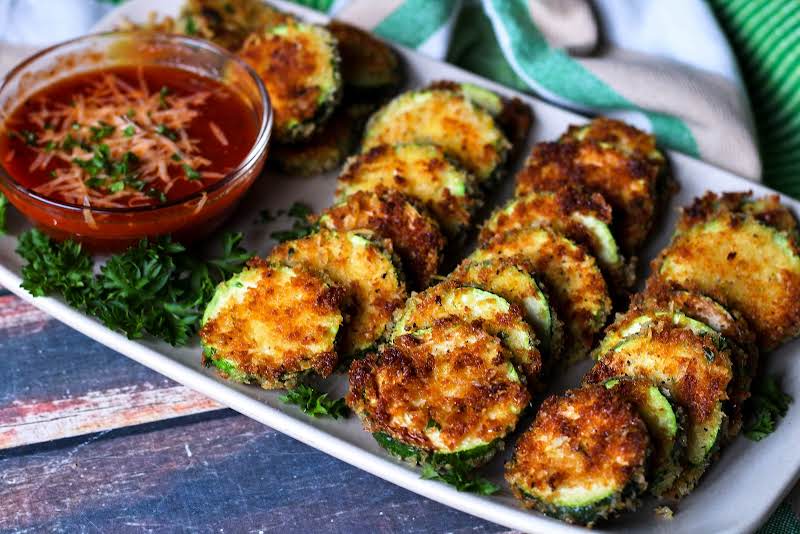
(91, 441)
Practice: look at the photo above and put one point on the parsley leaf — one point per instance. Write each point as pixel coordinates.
(301, 226)
(3, 209)
(315, 403)
(767, 403)
(156, 288)
(191, 174)
(460, 480)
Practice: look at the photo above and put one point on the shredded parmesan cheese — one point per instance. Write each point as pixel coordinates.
(126, 119)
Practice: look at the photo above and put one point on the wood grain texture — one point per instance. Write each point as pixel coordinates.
(212, 472)
(220, 473)
(35, 422)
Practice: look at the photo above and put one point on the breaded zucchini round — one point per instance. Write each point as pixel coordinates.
(228, 22)
(729, 324)
(365, 268)
(299, 64)
(574, 281)
(619, 135)
(743, 264)
(447, 395)
(666, 423)
(693, 368)
(369, 66)
(627, 182)
(328, 146)
(584, 457)
(422, 172)
(415, 236)
(448, 119)
(512, 115)
(581, 217)
(767, 210)
(511, 279)
(271, 323)
(475, 306)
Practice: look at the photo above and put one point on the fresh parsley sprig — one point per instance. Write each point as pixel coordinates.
(459, 479)
(315, 403)
(301, 226)
(767, 404)
(156, 288)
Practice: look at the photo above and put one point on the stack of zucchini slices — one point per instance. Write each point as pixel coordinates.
(572, 218)
(463, 356)
(683, 357)
(340, 294)
(323, 82)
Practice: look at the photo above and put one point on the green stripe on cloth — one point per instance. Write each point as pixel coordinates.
(415, 21)
(766, 40)
(319, 5)
(474, 47)
(558, 73)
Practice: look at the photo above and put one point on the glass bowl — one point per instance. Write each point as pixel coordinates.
(186, 219)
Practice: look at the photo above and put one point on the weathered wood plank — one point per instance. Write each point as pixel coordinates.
(61, 384)
(35, 422)
(211, 473)
(17, 317)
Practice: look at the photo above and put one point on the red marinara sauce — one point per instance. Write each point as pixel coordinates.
(116, 144)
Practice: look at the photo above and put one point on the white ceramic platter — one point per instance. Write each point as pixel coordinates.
(738, 493)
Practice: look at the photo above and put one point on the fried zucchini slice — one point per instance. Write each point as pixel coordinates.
(573, 279)
(448, 119)
(416, 237)
(513, 116)
(228, 22)
(299, 65)
(637, 319)
(627, 181)
(695, 370)
(512, 280)
(365, 268)
(743, 264)
(584, 457)
(767, 210)
(475, 306)
(447, 395)
(272, 323)
(328, 146)
(728, 323)
(621, 136)
(422, 172)
(369, 66)
(666, 423)
(581, 217)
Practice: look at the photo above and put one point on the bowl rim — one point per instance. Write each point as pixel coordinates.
(256, 151)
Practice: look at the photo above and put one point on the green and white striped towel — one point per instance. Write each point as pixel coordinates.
(665, 66)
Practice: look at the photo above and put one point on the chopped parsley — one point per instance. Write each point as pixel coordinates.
(315, 403)
(191, 174)
(101, 131)
(129, 130)
(27, 136)
(767, 404)
(190, 28)
(167, 132)
(156, 288)
(3, 213)
(162, 97)
(460, 479)
(301, 226)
